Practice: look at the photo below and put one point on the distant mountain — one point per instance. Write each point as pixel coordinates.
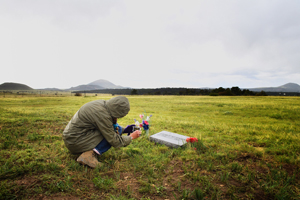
(97, 85)
(105, 84)
(51, 89)
(86, 87)
(14, 86)
(289, 87)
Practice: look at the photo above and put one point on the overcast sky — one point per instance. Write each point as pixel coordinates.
(149, 44)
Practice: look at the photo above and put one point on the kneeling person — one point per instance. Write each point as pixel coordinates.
(94, 129)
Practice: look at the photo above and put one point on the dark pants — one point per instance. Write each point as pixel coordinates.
(104, 146)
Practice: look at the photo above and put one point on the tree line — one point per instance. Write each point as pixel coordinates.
(234, 91)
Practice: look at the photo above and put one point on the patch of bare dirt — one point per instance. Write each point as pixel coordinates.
(244, 157)
(292, 169)
(27, 182)
(258, 169)
(260, 195)
(257, 145)
(58, 196)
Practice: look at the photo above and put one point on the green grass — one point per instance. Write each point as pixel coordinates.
(248, 148)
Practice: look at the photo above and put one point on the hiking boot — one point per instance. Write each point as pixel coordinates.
(89, 158)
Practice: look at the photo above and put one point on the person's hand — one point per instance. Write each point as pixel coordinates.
(135, 134)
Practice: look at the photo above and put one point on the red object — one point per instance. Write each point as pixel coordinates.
(191, 139)
(146, 122)
(141, 125)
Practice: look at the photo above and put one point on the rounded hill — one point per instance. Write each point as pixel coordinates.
(14, 86)
(105, 84)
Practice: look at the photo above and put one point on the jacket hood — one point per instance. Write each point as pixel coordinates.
(118, 106)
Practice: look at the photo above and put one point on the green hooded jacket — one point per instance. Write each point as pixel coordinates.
(93, 122)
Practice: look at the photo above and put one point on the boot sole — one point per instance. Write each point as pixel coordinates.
(81, 161)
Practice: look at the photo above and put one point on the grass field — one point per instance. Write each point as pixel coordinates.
(248, 148)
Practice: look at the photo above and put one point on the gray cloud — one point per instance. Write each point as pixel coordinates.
(157, 43)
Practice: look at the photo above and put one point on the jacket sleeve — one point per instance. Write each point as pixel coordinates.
(105, 126)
